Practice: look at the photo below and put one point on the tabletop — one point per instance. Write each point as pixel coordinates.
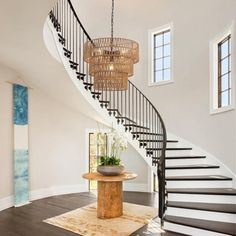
(122, 177)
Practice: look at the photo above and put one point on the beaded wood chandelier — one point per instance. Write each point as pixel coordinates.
(111, 60)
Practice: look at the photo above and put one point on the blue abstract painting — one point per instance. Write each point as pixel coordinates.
(20, 94)
(21, 153)
(21, 176)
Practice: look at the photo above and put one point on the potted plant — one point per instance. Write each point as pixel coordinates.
(110, 163)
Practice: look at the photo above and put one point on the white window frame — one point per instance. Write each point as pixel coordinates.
(151, 34)
(214, 109)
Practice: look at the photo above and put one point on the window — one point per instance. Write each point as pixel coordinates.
(155, 183)
(224, 72)
(221, 81)
(96, 148)
(160, 51)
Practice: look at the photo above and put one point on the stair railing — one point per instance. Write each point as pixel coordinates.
(130, 107)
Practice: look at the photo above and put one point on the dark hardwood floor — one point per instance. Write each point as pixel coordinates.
(27, 220)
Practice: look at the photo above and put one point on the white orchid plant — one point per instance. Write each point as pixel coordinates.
(116, 144)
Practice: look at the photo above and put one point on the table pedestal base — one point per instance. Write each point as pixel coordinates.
(110, 199)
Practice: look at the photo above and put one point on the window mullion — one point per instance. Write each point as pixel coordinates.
(219, 76)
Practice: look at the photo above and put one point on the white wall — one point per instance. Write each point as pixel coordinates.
(56, 140)
(57, 144)
(185, 104)
(135, 163)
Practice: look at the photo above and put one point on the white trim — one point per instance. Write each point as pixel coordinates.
(214, 72)
(160, 83)
(6, 202)
(57, 190)
(222, 109)
(23, 204)
(151, 34)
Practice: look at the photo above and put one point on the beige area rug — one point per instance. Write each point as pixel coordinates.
(84, 220)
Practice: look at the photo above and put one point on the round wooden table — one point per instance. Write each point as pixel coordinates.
(110, 193)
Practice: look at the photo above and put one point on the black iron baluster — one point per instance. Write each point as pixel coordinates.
(73, 31)
(57, 16)
(67, 26)
(141, 137)
(80, 60)
(76, 44)
(82, 57)
(121, 98)
(129, 101)
(62, 19)
(114, 102)
(126, 106)
(69, 36)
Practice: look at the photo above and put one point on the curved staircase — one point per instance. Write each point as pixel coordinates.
(194, 197)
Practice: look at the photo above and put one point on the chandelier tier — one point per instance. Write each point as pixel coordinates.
(111, 60)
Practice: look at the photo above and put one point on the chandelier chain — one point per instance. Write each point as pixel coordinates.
(112, 20)
(111, 60)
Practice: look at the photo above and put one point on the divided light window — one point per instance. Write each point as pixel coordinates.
(162, 56)
(97, 148)
(224, 72)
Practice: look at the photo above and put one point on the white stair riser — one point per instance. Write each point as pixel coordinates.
(174, 162)
(199, 214)
(173, 145)
(190, 230)
(178, 153)
(199, 184)
(187, 172)
(207, 198)
(169, 145)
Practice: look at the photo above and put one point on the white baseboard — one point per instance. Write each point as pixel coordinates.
(60, 190)
(6, 203)
(43, 193)
(135, 187)
(57, 190)
(23, 204)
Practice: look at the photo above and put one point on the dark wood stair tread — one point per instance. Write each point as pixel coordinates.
(171, 233)
(198, 178)
(181, 157)
(101, 101)
(216, 207)
(186, 157)
(73, 62)
(114, 110)
(146, 133)
(88, 84)
(207, 191)
(80, 74)
(198, 166)
(158, 140)
(170, 149)
(125, 118)
(215, 226)
(136, 126)
(96, 93)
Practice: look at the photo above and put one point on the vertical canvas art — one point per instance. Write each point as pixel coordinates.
(21, 154)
